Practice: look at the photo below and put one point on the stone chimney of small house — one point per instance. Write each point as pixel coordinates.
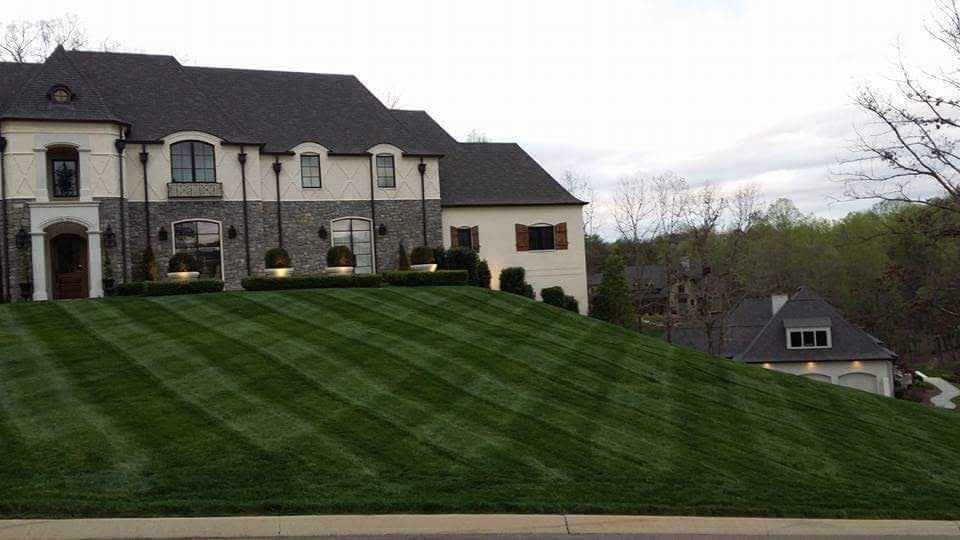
(777, 301)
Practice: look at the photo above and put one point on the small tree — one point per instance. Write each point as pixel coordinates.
(277, 258)
(182, 262)
(422, 255)
(612, 302)
(403, 262)
(461, 258)
(339, 256)
(148, 265)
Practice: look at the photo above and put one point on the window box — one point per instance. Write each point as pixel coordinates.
(194, 190)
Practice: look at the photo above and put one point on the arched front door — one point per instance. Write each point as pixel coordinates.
(68, 262)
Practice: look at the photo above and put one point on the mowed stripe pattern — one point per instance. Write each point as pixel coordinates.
(447, 399)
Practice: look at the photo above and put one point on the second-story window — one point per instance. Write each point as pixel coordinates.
(310, 170)
(192, 161)
(385, 174)
(63, 172)
(541, 237)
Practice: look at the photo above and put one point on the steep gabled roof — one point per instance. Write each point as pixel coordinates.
(848, 341)
(741, 326)
(31, 100)
(486, 174)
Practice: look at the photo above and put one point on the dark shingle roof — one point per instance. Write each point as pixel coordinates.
(848, 341)
(740, 327)
(644, 274)
(155, 95)
(486, 174)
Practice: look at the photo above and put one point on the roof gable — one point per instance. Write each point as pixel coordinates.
(848, 341)
(32, 101)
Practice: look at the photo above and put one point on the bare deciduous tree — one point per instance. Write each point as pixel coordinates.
(908, 152)
(632, 205)
(29, 41)
(671, 200)
(579, 186)
(477, 137)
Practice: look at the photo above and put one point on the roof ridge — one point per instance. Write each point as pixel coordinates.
(283, 71)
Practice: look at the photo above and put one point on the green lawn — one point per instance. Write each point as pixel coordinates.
(430, 400)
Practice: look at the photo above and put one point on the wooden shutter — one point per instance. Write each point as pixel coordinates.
(454, 240)
(475, 237)
(523, 238)
(560, 234)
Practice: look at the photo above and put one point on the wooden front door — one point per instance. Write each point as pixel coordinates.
(68, 260)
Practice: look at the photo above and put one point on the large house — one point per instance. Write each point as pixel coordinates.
(801, 334)
(103, 155)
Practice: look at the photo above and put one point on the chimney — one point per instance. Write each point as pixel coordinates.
(777, 301)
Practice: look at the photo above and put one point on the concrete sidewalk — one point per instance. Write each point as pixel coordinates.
(473, 524)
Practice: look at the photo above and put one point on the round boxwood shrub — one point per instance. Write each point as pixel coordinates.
(339, 256)
(422, 255)
(277, 258)
(182, 262)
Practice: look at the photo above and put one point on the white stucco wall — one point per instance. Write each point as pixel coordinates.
(565, 267)
(882, 370)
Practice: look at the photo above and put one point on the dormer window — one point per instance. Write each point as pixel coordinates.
(809, 338)
(60, 95)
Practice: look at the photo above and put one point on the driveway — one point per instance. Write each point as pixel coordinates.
(947, 392)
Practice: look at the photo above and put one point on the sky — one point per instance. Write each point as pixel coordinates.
(725, 92)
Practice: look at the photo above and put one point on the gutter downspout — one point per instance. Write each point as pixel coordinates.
(3, 226)
(242, 158)
(277, 166)
(144, 156)
(121, 144)
(422, 167)
(373, 218)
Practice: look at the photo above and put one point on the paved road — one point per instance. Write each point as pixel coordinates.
(947, 392)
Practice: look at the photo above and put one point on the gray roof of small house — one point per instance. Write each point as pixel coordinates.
(154, 95)
(653, 274)
(806, 308)
(741, 325)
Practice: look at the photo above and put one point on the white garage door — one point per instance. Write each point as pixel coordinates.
(860, 381)
(816, 376)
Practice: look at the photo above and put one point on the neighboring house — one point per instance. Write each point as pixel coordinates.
(108, 153)
(800, 334)
(648, 284)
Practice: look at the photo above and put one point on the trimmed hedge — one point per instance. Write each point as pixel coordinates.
(182, 286)
(129, 289)
(555, 297)
(513, 280)
(420, 279)
(311, 281)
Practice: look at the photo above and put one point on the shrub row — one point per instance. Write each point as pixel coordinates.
(514, 280)
(310, 281)
(419, 279)
(169, 287)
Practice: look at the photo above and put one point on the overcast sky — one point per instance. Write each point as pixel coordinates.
(725, 91)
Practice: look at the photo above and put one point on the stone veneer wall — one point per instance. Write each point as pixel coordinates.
(302, 221)
(19, 216)
(301, 224)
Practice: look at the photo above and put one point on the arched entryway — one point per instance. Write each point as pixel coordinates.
(69, 266)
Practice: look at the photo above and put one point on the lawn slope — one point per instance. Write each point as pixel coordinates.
(432, 400)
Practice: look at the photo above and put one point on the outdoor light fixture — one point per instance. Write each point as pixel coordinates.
(232, 232)
(23, 239)
(382, 229)
(109, 238)
(162, 235)
(322, 233)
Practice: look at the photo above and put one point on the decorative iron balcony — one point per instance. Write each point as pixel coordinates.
(194, 190)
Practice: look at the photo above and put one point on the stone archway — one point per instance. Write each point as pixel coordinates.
(66, 250)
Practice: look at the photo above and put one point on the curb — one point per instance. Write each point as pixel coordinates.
(449, 524)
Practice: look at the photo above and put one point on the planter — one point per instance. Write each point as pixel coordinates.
(279, 272)
(108, 286)
(26, 291)
(339, 270)
(424, 267)
(183, 275)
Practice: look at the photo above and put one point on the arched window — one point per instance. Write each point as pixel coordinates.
(355, 234)
(63, 172)
(310, 170)
(192, 161)
(202, 240)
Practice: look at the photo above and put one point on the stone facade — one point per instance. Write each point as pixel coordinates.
(19, 216)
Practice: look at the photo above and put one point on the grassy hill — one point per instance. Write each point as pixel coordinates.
(433, 399)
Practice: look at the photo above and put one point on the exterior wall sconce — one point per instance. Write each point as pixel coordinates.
(322, 233)
(109, 238)
(422, 167)
(232, 232)
(382, 230)
(23, 239)
(277, 166)
(162, 235)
